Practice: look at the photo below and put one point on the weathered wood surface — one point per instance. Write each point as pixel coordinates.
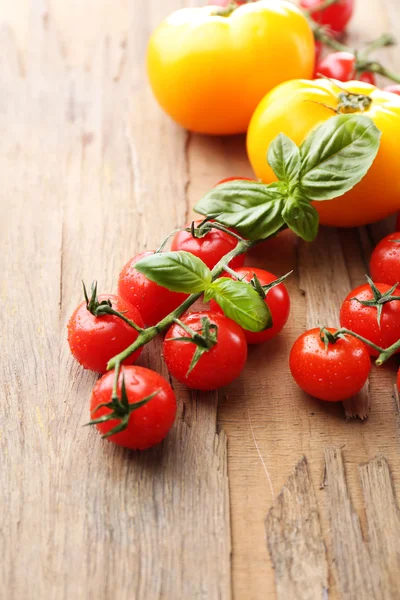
(295, 541)
(91, 172)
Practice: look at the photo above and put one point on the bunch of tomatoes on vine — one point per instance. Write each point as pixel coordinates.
(323, 151)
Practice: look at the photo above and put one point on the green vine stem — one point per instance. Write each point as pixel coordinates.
(316, 9)
(384, 353)
(363, 63)
(148, 334)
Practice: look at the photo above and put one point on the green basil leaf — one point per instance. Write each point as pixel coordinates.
(177, 271)
(241, 303)
(301, 216)
(252, 208)
(284, 159)
(337, 155)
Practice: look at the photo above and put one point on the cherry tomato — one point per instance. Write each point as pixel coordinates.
(152, 301)
(209, 72)
(342, 66)
(149, 424)
(217, 367)
(210, 248)
(385, 260)
(95, 340)
(277, 300)
(335, 17)
(334, 373)
(364, 319)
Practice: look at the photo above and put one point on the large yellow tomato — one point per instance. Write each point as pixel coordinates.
(296, 107)
(209, 72)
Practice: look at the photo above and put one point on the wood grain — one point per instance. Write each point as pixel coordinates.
(87, 183)
(295, 542)
(91, 172)
(383, 518)
(356, 579)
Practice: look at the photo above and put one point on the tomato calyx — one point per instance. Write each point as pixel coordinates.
(379, 299)
(205, 339)
(206, 226)
(100, 309)
(226, 11)
(351, 103)
(329, 338)
(262, 290)
(120, 408)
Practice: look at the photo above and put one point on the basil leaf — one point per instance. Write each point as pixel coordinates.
(337, 155)
(241, 303)
(251, 208)
(284, 159)
(301, 216)
(177, 271)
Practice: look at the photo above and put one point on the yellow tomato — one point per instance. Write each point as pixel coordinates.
(296, 107)
(209, 72)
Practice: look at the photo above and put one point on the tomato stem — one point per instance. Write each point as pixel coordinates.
(116, 377)
(322, 34)
(232, 272)
(363, 64)
(226, 230)
(309, 12)
(383, 41)
(146, 335)
(384, 353)
(388, 353)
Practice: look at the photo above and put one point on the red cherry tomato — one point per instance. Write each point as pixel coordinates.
(210, 248)
(95, 340)
(233, 179)
(364, 319)
(385, 260)
(152, 301)
(277, 300)
(394, 89)
(149, 424)
(336, 17)
(332, 374)
(342, 66)
(217, 367)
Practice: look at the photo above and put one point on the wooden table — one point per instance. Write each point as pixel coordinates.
(92, 172)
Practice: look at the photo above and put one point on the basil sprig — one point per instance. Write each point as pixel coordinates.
(241, 303)
(331, 161)
(177, 271)
(182, 272)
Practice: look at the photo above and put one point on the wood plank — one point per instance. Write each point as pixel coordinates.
(95, 173)
(383, 518)
(295, 541)
(356, 578)
(87, 155)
